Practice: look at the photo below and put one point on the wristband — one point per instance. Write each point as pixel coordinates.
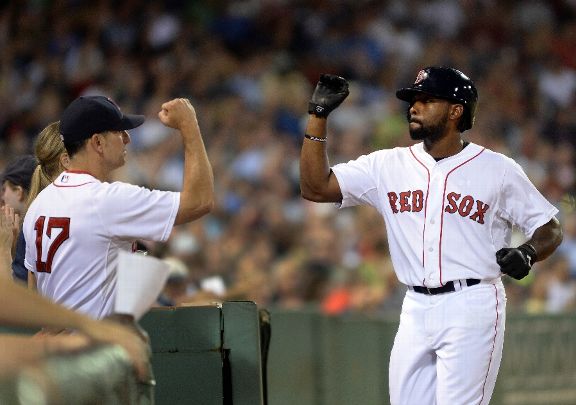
(314, 138)
(317, 110)
(530, 250)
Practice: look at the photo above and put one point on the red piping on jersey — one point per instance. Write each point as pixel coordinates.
(78, 172)
(442, 214)
(75, 185)
(493, 346)
(425, 205)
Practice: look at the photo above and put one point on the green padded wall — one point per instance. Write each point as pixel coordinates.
(206, 355)
(186, 354)
(242, 342)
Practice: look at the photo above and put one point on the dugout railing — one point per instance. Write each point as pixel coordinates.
(98, 375)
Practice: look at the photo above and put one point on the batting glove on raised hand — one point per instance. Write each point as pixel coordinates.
(329, 93)
(516, 262)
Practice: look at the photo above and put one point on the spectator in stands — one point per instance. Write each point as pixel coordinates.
(568, 246)
(561, 289)
(15, 191)
(175, 289)
(16, 182)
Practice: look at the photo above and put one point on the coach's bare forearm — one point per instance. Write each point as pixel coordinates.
(197, 195)
(317, 183)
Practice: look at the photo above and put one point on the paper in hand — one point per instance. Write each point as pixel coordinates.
(140, 280)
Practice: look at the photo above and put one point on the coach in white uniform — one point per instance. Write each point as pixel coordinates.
(449, 207)
(76, 226)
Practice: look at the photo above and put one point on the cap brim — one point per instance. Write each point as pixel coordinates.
(131, 121)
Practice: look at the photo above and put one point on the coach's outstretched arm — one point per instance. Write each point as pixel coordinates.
(197, 195)
(317, 182)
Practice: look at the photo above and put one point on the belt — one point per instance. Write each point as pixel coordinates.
(448, 287)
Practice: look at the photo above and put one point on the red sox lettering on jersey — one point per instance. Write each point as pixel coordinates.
(465, 206)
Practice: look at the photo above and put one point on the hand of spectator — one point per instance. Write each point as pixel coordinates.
(113, 333)
(9, 225)
(129, 322)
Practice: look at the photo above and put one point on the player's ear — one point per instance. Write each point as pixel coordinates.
(97, 142)
(64, 160)
(456, 111)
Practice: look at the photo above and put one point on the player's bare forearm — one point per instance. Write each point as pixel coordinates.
(197, 195)
(546, 239)
(317, 182)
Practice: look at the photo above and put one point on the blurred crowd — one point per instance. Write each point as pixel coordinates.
(249, 68)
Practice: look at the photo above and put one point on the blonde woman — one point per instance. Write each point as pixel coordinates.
(52, 159)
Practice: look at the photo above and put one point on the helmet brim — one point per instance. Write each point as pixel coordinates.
(408, 94)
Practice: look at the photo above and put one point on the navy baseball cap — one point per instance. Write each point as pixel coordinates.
(89, 115)
(19, 172)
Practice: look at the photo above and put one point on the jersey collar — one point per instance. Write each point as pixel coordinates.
(469, 151)
(74, 178)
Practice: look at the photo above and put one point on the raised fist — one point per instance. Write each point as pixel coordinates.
(329, 93)
(516, 262)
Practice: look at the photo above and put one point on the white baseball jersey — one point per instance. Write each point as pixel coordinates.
(75, 228)
(445, 220)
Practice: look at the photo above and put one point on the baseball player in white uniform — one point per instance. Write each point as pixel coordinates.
(449, 207)
(77, 225)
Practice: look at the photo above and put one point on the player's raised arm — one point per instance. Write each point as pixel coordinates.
(197, 195)
(317, 182)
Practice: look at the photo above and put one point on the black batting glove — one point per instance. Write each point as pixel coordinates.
(329, 93)
(516, 262)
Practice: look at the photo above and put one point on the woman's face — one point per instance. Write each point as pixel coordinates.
(13, 196)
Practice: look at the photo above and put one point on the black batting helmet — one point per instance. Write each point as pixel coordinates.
(445, 83)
